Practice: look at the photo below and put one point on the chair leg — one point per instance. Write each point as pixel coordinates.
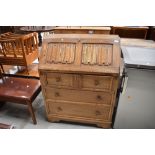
(32, 112)
(27, 70)
(2, 68)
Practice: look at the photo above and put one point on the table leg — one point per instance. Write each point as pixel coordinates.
(40, 38)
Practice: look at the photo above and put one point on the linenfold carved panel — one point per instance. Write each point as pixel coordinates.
(61, 53)
(96, 54)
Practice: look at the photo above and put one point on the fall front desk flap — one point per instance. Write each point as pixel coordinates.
(81, 53)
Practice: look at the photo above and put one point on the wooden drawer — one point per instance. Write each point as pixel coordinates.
(96, 82)
(79, 109)
(58, 79)
(78, 96)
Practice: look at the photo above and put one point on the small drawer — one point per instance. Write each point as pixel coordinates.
(79, 110)
(58, 79)
(96, 82)
(78, 96)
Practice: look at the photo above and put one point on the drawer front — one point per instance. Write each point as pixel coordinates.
(78, 96)
(79, 109)
(96, 82)
(58, 79)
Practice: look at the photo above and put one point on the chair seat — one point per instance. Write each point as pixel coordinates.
(19, 90)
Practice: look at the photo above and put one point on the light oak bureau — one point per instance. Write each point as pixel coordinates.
(79, 75)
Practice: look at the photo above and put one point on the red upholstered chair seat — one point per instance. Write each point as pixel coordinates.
(20, 90)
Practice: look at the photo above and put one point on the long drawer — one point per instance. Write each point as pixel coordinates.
(79, 109)
(78, 96)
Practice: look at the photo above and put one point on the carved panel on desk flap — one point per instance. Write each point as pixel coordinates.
(97, 54)
(61, 53)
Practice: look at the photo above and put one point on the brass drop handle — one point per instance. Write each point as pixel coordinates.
(57, 94)
(58, 79)
(59, 109)
(96, 82)
(97, 112)
(99, 97)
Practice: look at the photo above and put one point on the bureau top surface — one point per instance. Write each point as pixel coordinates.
(89, 53)
(82, 28)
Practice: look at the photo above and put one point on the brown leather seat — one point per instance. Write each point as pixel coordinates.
(20, 90)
